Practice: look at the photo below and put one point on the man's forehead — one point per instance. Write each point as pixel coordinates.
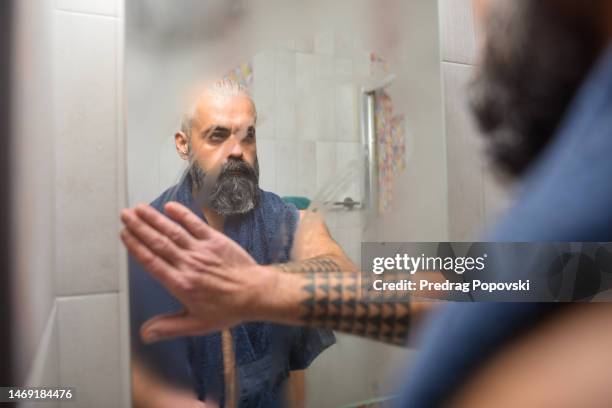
(228, 110)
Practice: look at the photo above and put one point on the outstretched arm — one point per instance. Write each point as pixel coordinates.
(220, 285)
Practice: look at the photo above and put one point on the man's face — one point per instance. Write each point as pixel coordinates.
(223, 154)
(535, 55)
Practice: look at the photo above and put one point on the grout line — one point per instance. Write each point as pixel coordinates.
(82, 295)
(458, 63)
(36, 368)
(83, 13)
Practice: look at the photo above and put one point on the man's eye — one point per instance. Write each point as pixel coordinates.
(217, 136)
(251, 134)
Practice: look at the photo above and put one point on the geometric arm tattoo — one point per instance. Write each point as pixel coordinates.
(340, 301)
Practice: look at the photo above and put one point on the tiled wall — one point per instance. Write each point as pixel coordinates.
(71, 133)
(474, 197)
(418, 211)
(308, 122)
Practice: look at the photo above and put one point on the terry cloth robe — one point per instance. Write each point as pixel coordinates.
(264, 352)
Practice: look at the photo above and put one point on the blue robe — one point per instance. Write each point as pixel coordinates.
(265, 353)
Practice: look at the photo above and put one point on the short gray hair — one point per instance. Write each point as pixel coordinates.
(225, 87)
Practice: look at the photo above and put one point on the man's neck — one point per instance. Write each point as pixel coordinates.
(214, 219)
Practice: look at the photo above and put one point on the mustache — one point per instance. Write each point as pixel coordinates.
(236, 166)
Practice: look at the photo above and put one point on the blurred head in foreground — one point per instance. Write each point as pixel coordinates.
(536, 54)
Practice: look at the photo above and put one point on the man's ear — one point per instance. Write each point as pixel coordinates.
(182, 145)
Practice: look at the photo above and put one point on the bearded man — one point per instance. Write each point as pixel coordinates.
(248, 364)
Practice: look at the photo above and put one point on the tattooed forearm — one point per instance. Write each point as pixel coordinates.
(339, 301)
(314, 265)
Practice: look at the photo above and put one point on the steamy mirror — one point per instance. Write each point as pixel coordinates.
(262, 117)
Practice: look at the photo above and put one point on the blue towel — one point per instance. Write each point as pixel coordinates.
(265, 352)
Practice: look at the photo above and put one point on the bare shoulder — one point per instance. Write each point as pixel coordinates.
(312, 219)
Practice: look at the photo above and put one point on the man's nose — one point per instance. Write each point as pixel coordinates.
(236, 150)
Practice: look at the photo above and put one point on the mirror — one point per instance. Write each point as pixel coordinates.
(349, 122)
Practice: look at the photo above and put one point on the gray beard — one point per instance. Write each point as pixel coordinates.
(227, 194)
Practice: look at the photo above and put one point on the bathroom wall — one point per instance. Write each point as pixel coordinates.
(69, 185)
(308, 122)
(419, 211)
(475, 198)
(356, 369)
(307, 95)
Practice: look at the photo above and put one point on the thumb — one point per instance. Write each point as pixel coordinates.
(169, 326)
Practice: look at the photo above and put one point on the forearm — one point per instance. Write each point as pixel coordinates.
(330, 262)
(220, 285)
(323, 296)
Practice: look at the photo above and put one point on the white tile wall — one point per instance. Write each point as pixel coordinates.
(86, 153)
(315, 132)
(265, 126)
(304, 44)
(343, 70)
(458, 38)
(306, 101)
(348, 156)
(263, 66)
(266, 155)
(169, 160)
(345, 43)
(347, 106)
(326, 163)
(45, 370)
(475, 198)
(306, 168)
(285, 113)
(305, 71)
(33, 192)
(103, 7)
(264, 93)
(286, 44)
(307, 118)
(286, 168)
(324, 42)
(326, 119)
(465, 172)
(84, 343)
(325, 66)
(350, 219)
(361, 64)
(89, 349)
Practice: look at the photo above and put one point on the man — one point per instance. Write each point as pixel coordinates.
(218, 139)
(543, 97)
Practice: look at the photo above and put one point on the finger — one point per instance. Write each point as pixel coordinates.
(169, 326)
(165, 226)
(156, 242)
(189, 220)
(169, 277)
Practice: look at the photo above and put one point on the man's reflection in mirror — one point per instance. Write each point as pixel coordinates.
(249, 364)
